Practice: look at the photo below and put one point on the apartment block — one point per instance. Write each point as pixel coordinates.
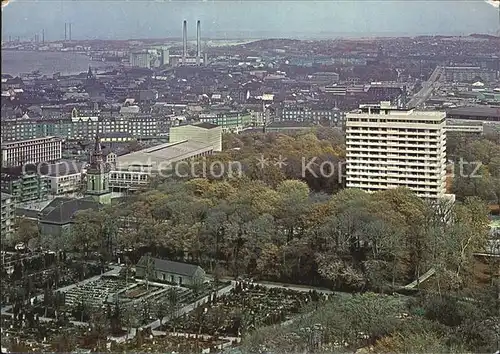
(389, 147)
(31, 151)
(7, 216)
(318, 115)
(140, 60)
(77, 127)
(65, 178)
(232, 122)
(24, 186)
(468, 73)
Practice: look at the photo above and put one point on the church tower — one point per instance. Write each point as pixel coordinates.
(90, 74)
(98, 176)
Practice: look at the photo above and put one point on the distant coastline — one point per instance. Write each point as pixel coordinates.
(17, 62)
(41, 51)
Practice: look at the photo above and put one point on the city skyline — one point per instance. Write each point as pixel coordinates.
(261, 19)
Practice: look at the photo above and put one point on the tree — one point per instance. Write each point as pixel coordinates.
(161, 310)
(87, 230)
(470, 232)
(99, 325)
(173, 304)
(197, 283)
(149, 269)
(25, 231)
(129, 319)
(84, 310)
(64, 343)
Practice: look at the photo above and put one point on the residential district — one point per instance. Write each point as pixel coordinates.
(270, 196)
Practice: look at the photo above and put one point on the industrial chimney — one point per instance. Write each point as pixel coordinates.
(198, 42)
(184, 42)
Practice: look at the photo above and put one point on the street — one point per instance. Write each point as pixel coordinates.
(427, 88)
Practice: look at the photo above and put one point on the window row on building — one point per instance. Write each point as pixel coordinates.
(70, 129)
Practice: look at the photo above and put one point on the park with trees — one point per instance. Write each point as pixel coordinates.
(275, 224)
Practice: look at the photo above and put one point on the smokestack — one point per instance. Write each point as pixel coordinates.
(69, 31)
(184, 42)
(198, 42)
(65, 31)
(43, 36)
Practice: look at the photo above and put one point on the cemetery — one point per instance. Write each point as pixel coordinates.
(29, 274)
(244, 308)
(145, 342)
(51, 337)
(143, 300)
(36, 336)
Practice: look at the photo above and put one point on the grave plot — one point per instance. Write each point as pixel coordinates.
(80, 302)
(32, 274)
(148, 306)
(243, 309)
(95, 293)
(39, 337)
(182, 344)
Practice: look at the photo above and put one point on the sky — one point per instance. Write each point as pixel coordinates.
(135, 19)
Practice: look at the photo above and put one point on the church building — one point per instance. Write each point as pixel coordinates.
(98, 176)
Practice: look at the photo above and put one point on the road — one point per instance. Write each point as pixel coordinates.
(427, 88)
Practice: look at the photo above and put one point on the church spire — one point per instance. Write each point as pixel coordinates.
(98, 173)
(90, 74)
(96, 159)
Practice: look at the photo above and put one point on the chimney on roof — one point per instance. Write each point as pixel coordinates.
(184, 42)
(198, 42)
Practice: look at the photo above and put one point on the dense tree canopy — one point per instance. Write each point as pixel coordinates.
(351, 240)
(477, 166)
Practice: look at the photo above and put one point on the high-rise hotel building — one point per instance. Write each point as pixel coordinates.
(389, 147)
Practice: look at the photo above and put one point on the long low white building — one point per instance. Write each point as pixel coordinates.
(136, 169)
(31, 151)
(463, 127)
